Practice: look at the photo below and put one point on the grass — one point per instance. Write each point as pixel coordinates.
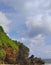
(2, 54)
(5, 40)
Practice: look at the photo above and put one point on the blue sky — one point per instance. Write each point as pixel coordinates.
(28, 21)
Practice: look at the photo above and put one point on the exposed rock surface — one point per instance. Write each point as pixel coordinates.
(11, 55)
(13, 52)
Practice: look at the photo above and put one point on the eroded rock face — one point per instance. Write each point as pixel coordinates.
(24, 59)
(1, 62)
(11, 55)
(20, 57)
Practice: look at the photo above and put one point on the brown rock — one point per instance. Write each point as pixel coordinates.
(11, 55)
(1, 62)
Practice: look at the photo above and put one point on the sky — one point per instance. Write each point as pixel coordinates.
(28, 21)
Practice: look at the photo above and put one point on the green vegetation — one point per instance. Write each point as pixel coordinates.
(5, 40)
(25, 48)
(2, 54)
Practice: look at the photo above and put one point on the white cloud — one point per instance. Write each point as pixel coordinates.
(22, 39)
(38, 17)
(39, 24)
(39, 48)
(4, 21)
(38, 6)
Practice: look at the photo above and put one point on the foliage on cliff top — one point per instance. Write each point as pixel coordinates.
(25, 48)
(5, 40)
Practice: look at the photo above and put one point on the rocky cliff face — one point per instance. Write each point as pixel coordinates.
(13, 52)
(11, 55)
(10, 49)
(23, 55)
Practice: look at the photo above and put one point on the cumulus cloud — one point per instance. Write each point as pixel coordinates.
(22, 39)
(4, 21)
(38, 22)
(38, 47)
(38, 6)
(38, 17)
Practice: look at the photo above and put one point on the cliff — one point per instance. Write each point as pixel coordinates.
(14, 52)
